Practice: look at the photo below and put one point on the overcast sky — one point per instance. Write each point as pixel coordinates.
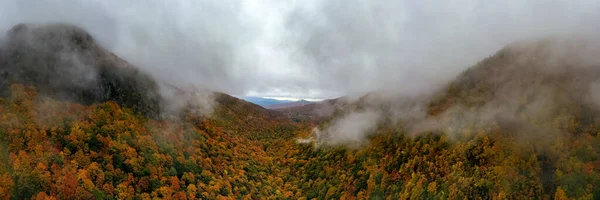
(309, 48)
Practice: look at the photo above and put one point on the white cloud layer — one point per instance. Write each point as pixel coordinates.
(309, 48)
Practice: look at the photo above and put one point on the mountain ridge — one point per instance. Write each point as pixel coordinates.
(300, 102)
(264, 102)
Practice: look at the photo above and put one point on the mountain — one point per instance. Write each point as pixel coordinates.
(302, 102)
(563, 74)
(264, 102)
(65, 62)
(71, 129)
(51, 148)
(521, 124)
(312, 111)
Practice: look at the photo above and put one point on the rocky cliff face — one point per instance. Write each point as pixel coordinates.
(65, 62)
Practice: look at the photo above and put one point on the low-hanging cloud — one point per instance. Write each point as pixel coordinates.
(309, 49)
(350, 129)
(317, 48)
(533, 91)
(409, 46)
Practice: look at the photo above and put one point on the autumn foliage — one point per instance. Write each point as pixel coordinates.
(60, 150)
(52, 149)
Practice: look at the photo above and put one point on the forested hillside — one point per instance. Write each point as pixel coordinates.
(102, 151)
(521, 124)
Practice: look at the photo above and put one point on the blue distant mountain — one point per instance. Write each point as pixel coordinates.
(289, 105)
(264, 102)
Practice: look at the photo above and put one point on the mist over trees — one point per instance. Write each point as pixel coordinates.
(440, 100)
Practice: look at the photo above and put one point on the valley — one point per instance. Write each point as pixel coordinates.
(521, 124)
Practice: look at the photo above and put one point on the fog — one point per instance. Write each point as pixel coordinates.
(536, 92)
(307, 49)
(315, 48)
(349, 129)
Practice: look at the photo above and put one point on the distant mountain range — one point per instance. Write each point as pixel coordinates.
(264, 102)
(290, 104)
(274, 103)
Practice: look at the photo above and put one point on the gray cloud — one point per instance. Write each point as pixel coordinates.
(310, 49)
(535, 91)
(359, 46)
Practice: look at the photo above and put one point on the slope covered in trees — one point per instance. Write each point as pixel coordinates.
(522, 124)
(52, 148)
(102, 151)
